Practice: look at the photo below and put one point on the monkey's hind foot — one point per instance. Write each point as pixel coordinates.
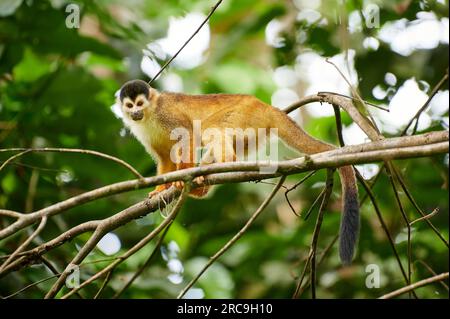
(159, 189)
(201, 191)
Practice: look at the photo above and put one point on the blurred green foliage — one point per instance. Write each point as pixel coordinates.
(56, 89)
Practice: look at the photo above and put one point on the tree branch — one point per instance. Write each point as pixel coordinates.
(213, 9)
(25, 243)
(415, 285)
(388, 149)
(169, 219)
(346, 104)
(425, 105)
(24, 151)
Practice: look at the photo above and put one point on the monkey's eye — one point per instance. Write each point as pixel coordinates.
(139, 103)
(129, 105)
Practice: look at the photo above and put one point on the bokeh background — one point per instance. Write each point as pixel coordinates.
(58, 86)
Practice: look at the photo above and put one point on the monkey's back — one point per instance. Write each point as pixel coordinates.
(201, 107)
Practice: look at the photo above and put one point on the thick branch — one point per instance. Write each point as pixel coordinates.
(346, 104)
(165, 223)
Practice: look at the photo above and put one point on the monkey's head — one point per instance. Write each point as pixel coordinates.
(135, 99)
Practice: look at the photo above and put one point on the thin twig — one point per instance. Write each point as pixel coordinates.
(30, 285)
(188, 40)
(12, 158)
(427, 267)
(355, 92)
(311, 260)
(303, 101)
(415, 285)
(38, 168)
(32, 185)
(146, 263)
(300, 288)
(337, 115)
(294, 187)
(430, 215)
(105, 282)
(24, 244)
(424, 107)
(383, 224)
(323, 206)
(345, 104)
(352, 98)
(24, 151)
(373, 181)
(316, 201)
(389, 169)
(269, 183)
(416, 206)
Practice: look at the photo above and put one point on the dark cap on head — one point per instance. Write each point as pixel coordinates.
(133, 88)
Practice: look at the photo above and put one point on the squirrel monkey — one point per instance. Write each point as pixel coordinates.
(152, 116)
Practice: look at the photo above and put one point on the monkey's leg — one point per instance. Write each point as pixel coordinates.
(182, 163)
(219, 150)
(228, 151)
(165, 165)
(189, 163)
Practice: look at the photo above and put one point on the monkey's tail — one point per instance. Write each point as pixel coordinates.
(349, 229)
(295, 137)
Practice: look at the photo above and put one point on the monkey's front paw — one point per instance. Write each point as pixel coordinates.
(179, 184)
(199, 180)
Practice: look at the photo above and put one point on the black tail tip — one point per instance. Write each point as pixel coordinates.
(348, 237)
(346, 253)
(349, 231)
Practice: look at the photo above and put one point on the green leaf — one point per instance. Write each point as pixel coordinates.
(31, 61)
(9, 183)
